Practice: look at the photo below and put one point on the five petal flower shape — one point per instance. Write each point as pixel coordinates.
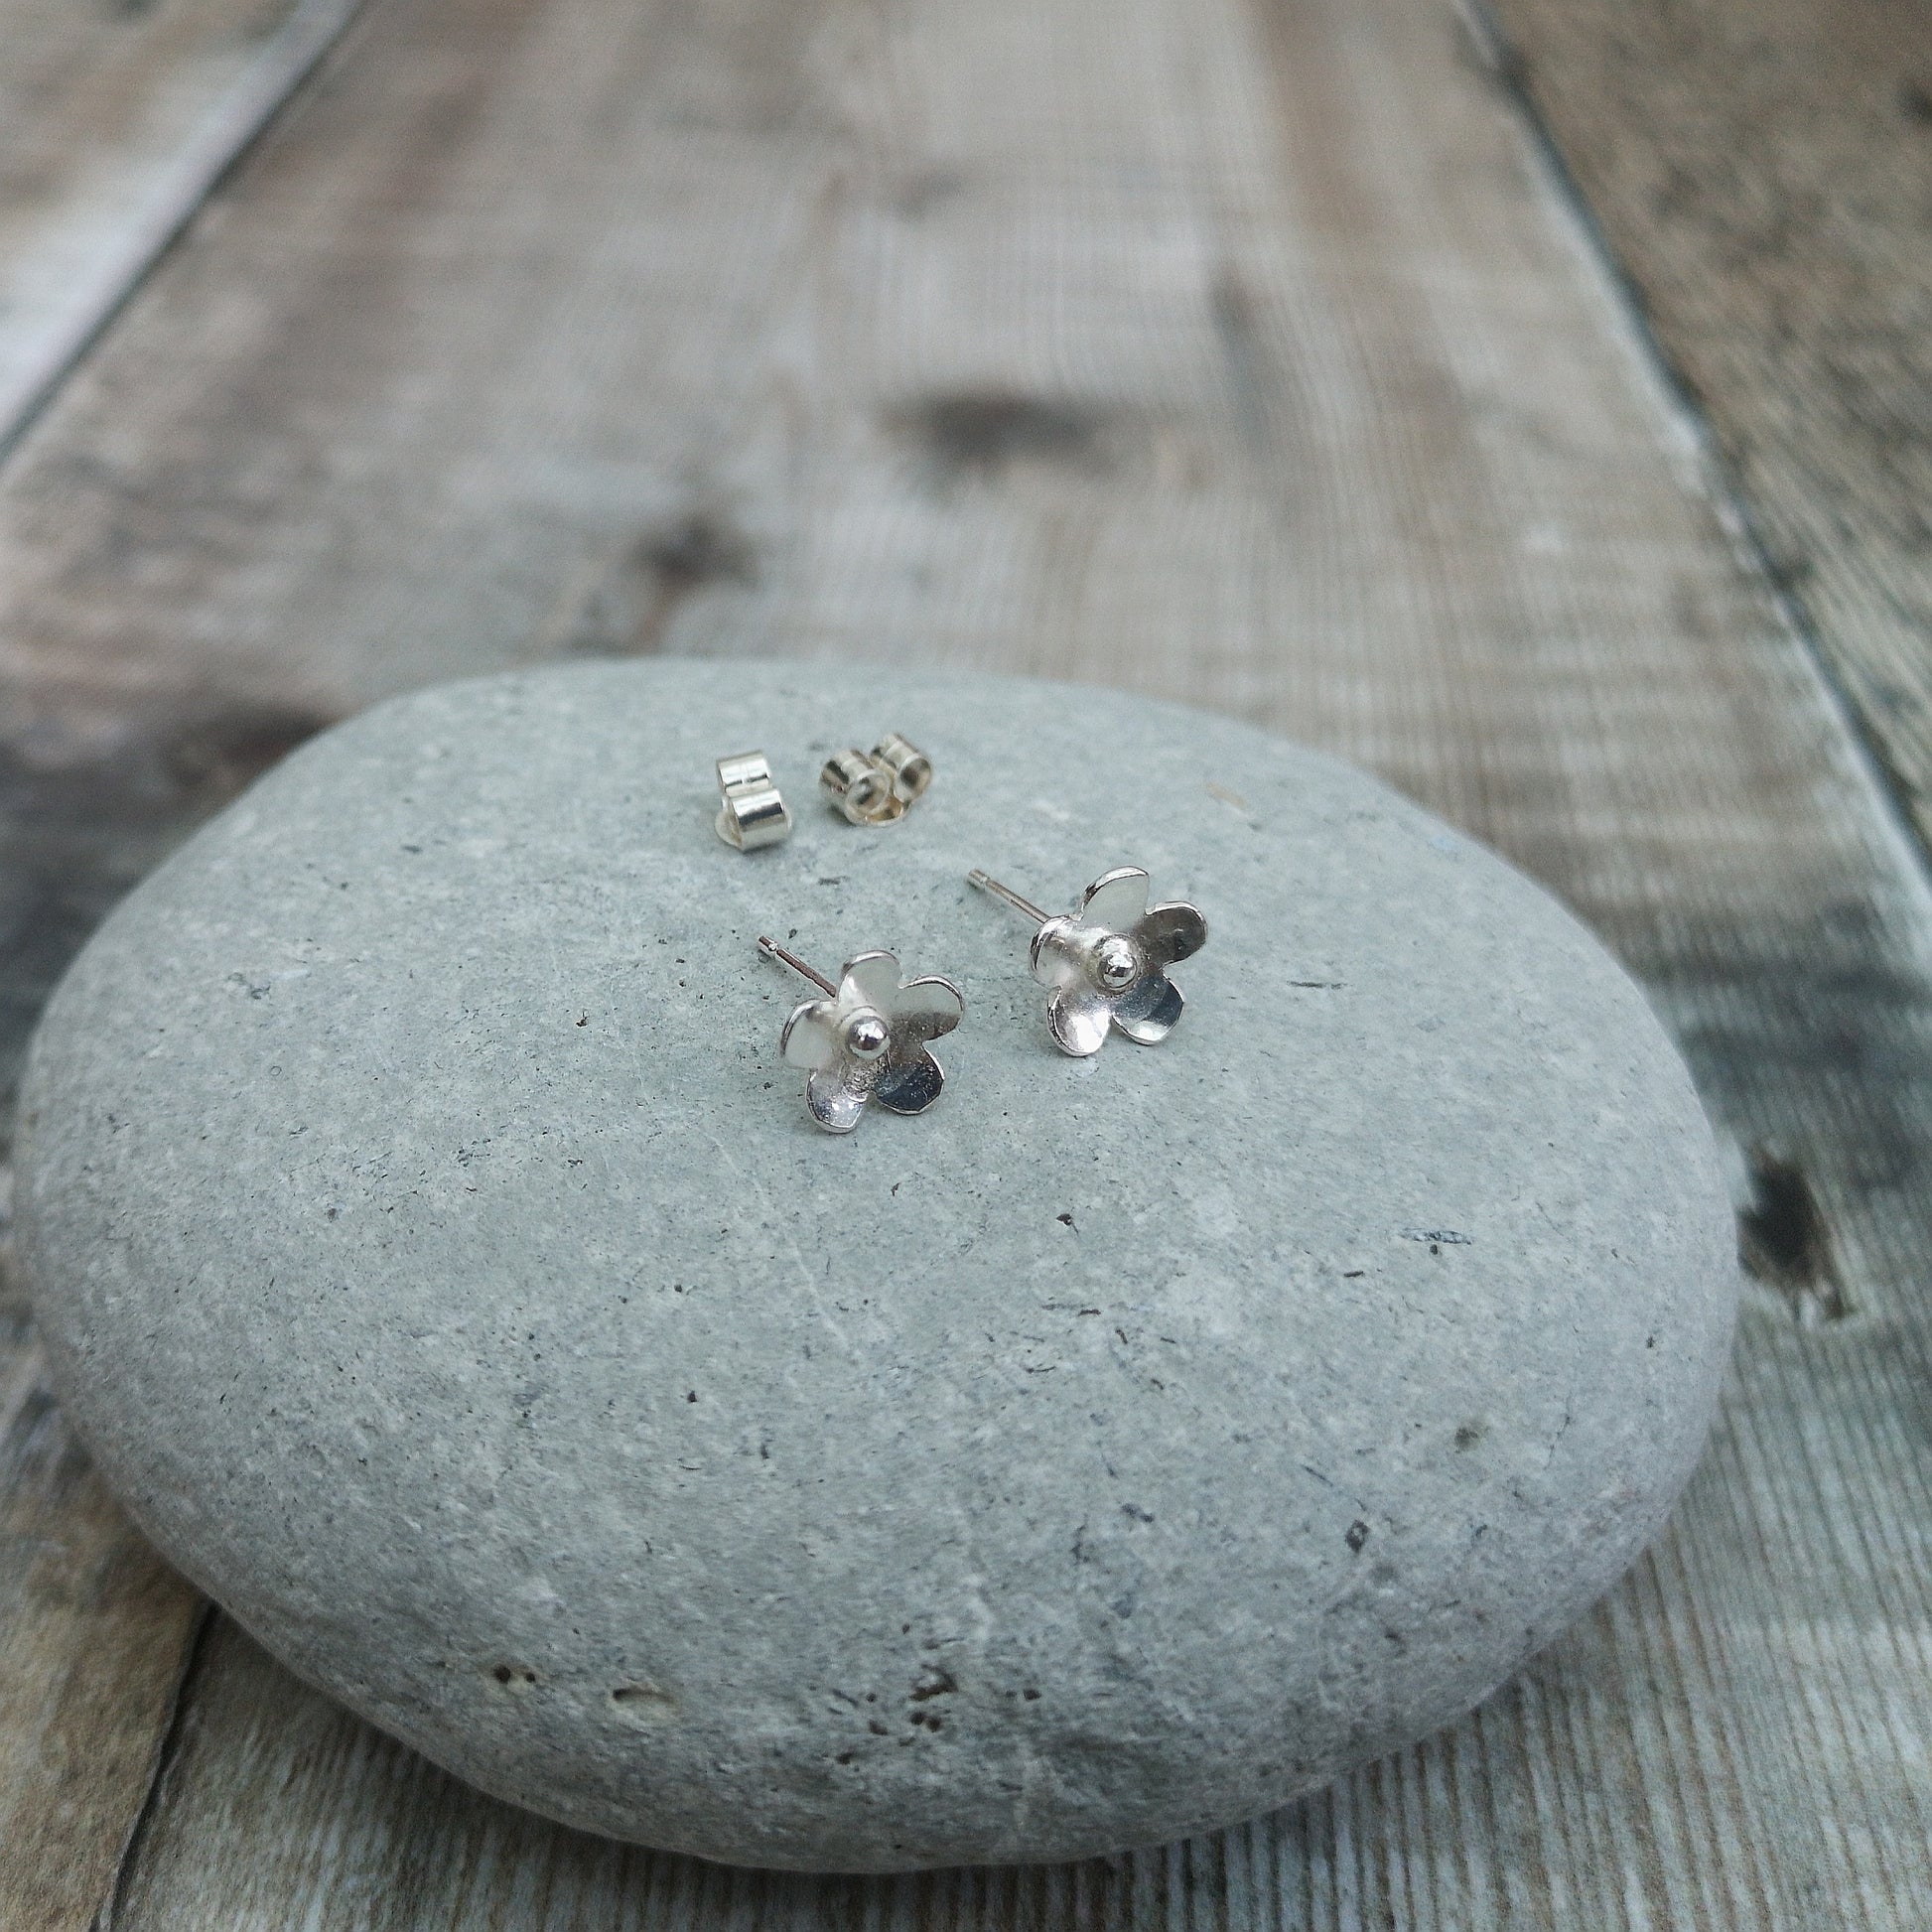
(868, 1042)
(1107, 963)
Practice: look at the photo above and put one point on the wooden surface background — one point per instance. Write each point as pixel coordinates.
(1253, 352)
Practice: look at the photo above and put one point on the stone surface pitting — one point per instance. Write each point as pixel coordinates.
(439, 1259)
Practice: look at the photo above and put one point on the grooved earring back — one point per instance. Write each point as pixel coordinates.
(876, 787)
(751, 812)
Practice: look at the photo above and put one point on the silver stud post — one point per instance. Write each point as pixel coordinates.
(1012, 898)
(773, 950)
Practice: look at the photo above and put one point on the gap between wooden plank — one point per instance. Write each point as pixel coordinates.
(1741, 517)
(1762, 174)
(114, 125)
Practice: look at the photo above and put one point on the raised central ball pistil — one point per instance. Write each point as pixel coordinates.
(1115, 963)
(866, 1036)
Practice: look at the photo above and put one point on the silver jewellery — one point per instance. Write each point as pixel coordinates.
(867, 1038)
(751, 812)
(911, 769)
(874, 787)
(870, 787)
(1106, 963)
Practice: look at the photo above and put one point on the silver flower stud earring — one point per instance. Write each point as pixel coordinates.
(867, 1038)
(1107, 963)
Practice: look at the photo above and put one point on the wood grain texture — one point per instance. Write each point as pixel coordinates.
(1232, 349)
(114, 121)
(94, 1634)
(1764, 173)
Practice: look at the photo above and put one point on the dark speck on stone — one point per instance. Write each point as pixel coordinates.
(1357, 1535)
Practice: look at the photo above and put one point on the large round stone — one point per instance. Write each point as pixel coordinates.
(442, 1264)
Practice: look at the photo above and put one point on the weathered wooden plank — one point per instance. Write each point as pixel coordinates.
(1239, 352)
(1764, 173)
(113, 123)
(114, 120)
(96, 1631)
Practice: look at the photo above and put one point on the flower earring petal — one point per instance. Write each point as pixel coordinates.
(927, 1009)
(1078, 1016)
(1146, 1012)
(923, 1010)
(870, 979)
(1116, 900)
(810, 1038)
(836, 1100)
(911, 1088)
(1171, 933)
